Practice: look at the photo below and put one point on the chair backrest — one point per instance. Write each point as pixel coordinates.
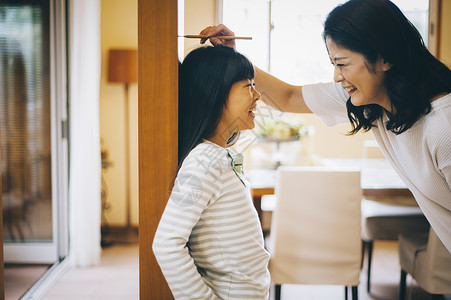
(315, 231)
(433, 266)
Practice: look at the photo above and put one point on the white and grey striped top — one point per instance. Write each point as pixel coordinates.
(209, 242)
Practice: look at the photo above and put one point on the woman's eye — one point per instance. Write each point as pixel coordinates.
(337, 65)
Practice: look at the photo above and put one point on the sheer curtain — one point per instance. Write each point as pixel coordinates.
(85, 162)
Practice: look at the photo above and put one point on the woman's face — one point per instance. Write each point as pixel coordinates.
(239, 114)
(351, 70)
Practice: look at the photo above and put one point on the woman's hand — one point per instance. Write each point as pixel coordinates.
(213, 32)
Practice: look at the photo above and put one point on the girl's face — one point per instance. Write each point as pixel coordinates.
(238, 114)
(351, 70)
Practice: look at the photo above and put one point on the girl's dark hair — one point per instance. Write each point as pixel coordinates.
(205, 79)
(377, 28)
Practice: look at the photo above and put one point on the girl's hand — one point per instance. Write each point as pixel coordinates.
(214, 31)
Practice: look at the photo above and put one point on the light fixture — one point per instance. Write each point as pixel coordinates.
(123, 68)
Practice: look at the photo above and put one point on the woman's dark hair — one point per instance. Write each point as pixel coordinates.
(205, 79)
(377, 28)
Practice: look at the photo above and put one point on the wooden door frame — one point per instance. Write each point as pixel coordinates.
(435, 7)
(157, 130)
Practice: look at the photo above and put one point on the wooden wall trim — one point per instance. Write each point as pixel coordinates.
(434, 27)
(157, 130)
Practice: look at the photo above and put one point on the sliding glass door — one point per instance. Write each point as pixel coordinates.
(32, 130)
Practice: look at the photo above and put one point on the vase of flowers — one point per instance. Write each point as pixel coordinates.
(282, 130)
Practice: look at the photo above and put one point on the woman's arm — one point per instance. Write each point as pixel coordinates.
(279, 94)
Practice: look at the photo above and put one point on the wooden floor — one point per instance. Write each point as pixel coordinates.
(385, 275)
(19, 278)
(117, 278)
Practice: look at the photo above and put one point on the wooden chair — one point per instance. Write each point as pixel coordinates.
(315, 231)
(385, 221)
(426, 259)
(386, 218)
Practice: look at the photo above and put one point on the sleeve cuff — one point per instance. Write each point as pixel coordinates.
(327, 101)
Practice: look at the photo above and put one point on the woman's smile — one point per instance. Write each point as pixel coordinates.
(350, 89)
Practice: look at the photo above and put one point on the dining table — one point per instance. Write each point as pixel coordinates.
(378, 180)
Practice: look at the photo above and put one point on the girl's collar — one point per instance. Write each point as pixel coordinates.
(205, 141)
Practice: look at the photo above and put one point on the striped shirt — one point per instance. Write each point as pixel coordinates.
(421, 155)
(209, 242)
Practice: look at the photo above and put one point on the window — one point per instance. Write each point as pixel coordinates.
(287, 39)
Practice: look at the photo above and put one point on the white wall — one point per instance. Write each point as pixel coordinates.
(198, 15)
(119, 29)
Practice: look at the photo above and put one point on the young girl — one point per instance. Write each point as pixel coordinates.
(209, 243)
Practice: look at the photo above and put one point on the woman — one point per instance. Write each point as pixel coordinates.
(386, 81)
(209, 243)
